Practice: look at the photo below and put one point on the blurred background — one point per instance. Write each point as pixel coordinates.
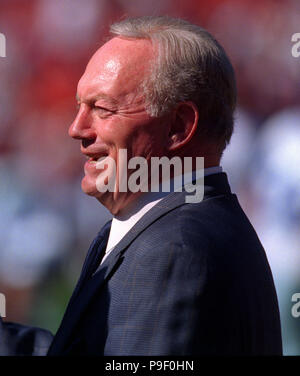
(47, 223)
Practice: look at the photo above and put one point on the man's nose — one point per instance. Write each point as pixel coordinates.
(81, 127)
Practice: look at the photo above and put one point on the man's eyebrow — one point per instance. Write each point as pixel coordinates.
(95, 98)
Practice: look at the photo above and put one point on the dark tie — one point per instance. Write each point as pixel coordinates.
(98, 249)
(94, 256)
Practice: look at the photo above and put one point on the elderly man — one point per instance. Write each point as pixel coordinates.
(165, 277)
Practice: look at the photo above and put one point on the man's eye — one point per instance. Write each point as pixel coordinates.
(102, 110)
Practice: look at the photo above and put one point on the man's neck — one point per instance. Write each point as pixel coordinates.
(148, 197)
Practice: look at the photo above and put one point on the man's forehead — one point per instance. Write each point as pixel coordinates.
(121, 61)
(126, 49)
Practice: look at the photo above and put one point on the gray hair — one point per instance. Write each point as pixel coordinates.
(191, 66)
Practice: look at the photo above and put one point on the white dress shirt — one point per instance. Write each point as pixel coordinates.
(122, 223)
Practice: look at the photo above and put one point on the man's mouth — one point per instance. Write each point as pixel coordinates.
(94, 158)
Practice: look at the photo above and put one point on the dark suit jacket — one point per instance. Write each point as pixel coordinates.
(16, 339)
(188, 279)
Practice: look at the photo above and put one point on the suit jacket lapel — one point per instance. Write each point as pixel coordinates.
(81, 299)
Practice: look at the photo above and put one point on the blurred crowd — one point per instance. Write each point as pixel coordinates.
(47, 223)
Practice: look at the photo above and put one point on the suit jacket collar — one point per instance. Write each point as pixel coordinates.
(214, 185)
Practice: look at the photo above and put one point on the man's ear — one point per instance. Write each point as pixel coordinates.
(183, 125)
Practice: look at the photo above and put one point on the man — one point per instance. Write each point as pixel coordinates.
(165, 277)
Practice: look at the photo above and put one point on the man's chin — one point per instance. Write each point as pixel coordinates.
(113, 201)
(89, 187)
